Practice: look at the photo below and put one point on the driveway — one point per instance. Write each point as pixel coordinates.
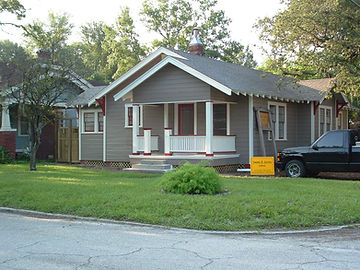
(38, 243)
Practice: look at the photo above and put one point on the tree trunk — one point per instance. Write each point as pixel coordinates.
(35, 133)
(33, 160)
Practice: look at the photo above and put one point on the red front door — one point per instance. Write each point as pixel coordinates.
(186, 119)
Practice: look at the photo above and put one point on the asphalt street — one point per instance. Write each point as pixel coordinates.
(39, 243)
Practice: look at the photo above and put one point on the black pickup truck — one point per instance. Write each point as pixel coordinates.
(335, 151)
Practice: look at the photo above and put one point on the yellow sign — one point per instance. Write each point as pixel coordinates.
(262, 166)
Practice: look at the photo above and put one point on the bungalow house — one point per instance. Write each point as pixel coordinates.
(178, 106)
(14, 130)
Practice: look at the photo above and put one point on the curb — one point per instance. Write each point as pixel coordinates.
(43, 215)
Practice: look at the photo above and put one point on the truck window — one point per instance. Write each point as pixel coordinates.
(332, 139)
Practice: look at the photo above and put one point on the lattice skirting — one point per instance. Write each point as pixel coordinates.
(225, 168)
(126, 164)
(113, 164)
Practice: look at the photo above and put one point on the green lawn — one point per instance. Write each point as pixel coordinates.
(253, 203)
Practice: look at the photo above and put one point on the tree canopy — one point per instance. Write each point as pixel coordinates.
(13, 7)
(174, 21)
(316, 38)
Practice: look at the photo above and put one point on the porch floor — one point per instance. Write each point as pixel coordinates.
(178, 159)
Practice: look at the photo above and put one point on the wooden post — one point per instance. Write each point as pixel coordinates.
(70, 141)
(167, 141)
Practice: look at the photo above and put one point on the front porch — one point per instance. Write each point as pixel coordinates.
(180, 137)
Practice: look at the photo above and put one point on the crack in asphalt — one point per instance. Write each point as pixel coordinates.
(29, 245)
(99, 256)
(14, 259)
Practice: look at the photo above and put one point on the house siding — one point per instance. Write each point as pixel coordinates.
(217, 95)
(239, 126)
(303, 121)
(170, 84)
(297, 127)
(118, 138)
(92, 146)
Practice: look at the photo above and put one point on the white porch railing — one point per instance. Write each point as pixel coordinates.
(194, 144)
(154, 143)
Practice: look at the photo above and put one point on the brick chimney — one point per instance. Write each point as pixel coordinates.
(196, 46)
(43, 54)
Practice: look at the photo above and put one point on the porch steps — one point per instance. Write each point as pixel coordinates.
(150, 166)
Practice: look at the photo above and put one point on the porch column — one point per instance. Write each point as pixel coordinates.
(5, 119)
(7, 134)
(195, 118)
(135, 129)
(176, 118)
(167, 141)
(209, 129)
(166, 115)
(147, 141)
(228, 119)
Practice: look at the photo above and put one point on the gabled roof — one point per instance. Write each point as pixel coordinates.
(226, 77)
(84, 97)
(323, 85)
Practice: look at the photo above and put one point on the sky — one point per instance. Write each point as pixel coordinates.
(243, 13)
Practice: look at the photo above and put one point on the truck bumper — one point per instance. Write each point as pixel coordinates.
(280, 165)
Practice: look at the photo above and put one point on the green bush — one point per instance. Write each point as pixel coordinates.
(192, 179)
(4, 155)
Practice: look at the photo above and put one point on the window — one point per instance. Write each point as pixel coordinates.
(23, 126)
(93, 121)
(278, 118)
(219, 119)
(325, 119)
(331, 140)
(100, 121)
(129, 115)
(89, 122)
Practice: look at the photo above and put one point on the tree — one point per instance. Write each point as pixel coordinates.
(174, 20)
(42, 85)
(316, 36)
(12, 56)
(51, 36)
(13, 7)
(122, 45)
(94, 55)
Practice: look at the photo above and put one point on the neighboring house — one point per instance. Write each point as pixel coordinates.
(332, 111)
(179, 106)
(14, 130)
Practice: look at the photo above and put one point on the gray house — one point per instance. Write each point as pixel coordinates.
(179, 106)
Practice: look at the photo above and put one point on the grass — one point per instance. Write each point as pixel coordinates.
(253, 203)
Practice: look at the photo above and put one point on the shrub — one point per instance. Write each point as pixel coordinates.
(4, 155)
(192, 179)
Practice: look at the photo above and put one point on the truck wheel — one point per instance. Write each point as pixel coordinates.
(295, 168)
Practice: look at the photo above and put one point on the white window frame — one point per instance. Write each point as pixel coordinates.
(276, 127)
(96, 124)
(127, 118)
(331, 119)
